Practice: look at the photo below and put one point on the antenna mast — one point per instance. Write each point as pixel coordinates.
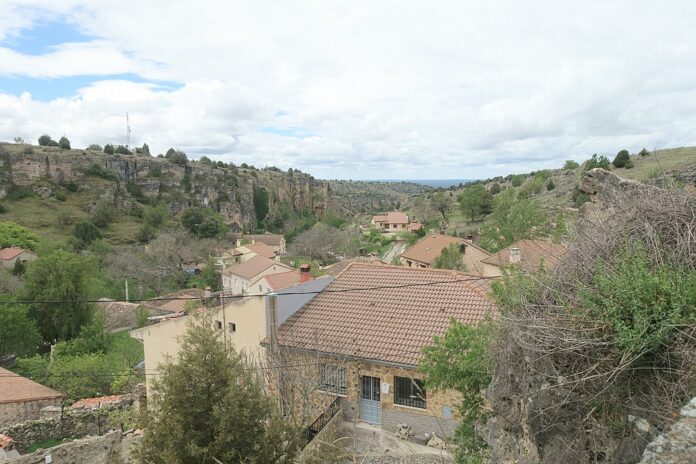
(128, 132)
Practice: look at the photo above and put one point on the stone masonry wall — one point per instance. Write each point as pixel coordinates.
(15, 413)
(106, 449)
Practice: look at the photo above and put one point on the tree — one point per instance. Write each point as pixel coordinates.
(58, 284)
(517, 180)
(475, 201)
(122, 149)
(64, 143)
(450, 258)
(644, 152)
(570, 164)
(621, 159)
(85, 233)
(211, 275)
(223, 416)
(145, 233)
(440, 203)
(145, 149)
(44, 140)
(461, 360)
(18, 333)
(495, 188)
(597, 162)
(176, 157)
(52, 143)
(14, 235)
(550, 185)
(109, 149)
(512, 219)
(19, 140)
(95, 147)
(260, 204)
(203, 222)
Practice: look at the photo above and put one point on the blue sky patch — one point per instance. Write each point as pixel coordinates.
(43, 36)
(46, 89)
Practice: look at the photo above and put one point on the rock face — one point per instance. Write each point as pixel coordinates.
(678, 446)
(228, 191)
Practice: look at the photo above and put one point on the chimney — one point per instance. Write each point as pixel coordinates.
(305, 273)
(470, 238)
(515, 255)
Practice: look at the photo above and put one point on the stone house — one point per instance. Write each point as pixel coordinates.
(367, 342)
(393, 221)
(238, 279)
(528, 255)
(244, 322)
(22, 399)
(8, 257)
(422, 255)
(275, 241)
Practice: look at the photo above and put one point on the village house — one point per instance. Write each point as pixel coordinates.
(415, 227)
(243, 322)
(274, 282)
(392, 221)
(22, 399)
(246, 252)
(337, 268)
(528, 255)
(366, 344)
(9, 256)
(422, 255)
(275, 241)
(238, 280)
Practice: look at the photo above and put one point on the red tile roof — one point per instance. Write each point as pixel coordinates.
(10, 253)
(283, 279)
(93, 403)
(262, 249)
(268, 238)
(337, 268)
(431, 246)
(396, 217)
(533, 253)
(391, 323)
(253, 267)
(14, 389)
(380, 218)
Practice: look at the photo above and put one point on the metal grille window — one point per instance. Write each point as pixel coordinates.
(333, 379)
(409, 392)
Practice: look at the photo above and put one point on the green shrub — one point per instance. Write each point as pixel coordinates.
(60, 196)
(642, 302)
(145, 233)
(644, 152)
(621, 159)
(597, 162)
(14, 235)
(550, 185)
(579, 197)
(52, 143)
(44, 140)
(64, 143)
(95, 147)
(19, 192)
(98, 170)
(517, 180)
(570, 164)
(71, 186)
(28, 150)
(109, 149)
(122, 150)
(103, 214)
(85, 233)
(495, 188)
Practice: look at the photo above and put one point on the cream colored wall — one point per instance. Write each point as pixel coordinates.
(162, 340)
(244, 286)
(472, 259)
(490, 270)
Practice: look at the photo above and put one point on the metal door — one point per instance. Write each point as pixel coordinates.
(370, 407)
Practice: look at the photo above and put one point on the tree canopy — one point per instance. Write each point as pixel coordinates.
(450, 258)
(475, 201)
(224, 415)
(58, 283)
(18, 333)
(203, 222)
(512, 219)
(14, 235)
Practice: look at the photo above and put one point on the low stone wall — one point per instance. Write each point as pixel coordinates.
(68, 424)
(106, 449)
(420, 423)
(21, 411)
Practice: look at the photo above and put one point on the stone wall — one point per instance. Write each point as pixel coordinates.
(678, 446)
(69, 424)
(106, 449)
(15, 413)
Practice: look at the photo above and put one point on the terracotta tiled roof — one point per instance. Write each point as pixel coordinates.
(174, 302)
(415, 226)
(533, 253)
(262, 249)
(14, 388)
(396, 217)
(6, 442)
(337, 268)
(283, 279)
(116, 312)
(353, 318)
(93, 403)
(380, 218)
(268, 239)
(253, 267)
(10, 253)
(431, 246)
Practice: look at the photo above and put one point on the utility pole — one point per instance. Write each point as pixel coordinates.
(128, 132)
(127, 290)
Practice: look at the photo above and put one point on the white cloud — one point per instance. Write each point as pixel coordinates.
(376, 89)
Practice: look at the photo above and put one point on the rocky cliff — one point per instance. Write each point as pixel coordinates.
(225, 189)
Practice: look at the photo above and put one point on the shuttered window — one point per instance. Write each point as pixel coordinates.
(409, 392)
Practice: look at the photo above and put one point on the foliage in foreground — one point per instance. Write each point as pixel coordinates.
(209, 405)
(450, 258)
(512, 219)
(460, 360)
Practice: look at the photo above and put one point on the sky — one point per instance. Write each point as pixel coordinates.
(354, 89)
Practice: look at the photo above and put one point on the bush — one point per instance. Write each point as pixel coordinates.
(550, 185)
(95, 147)
(597, 162)
(145, 233)
(621, 159)
(203, 222)
(644, 152)
(44, 140)
(570, 164)
(99, 170)
(155, 217)
(52, 143)
(60, 196)
(579, 197)
(17, 192)
(85, 233)
(28, 150)
(103, 214)
(176, 157)
(517, 180)
(109, 149)
(122, 150)
(64, 143)
(495, 188)
(71, 186)
(14, 235)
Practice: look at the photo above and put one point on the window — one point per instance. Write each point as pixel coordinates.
(232, 327)
(218, 325)
(409, 392)
(333, 379)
